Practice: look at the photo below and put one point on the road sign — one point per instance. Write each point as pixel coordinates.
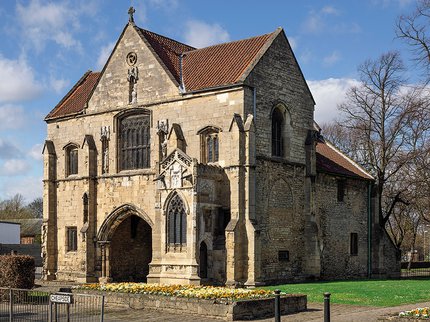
(61, 298)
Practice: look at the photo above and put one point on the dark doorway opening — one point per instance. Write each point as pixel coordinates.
(203, 268)
(131, 250)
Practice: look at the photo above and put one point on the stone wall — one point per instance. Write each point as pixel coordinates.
(283, 219)
(336, 221)
(282, 197)
(280, 189)
(277, 78)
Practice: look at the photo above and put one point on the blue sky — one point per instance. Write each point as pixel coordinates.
(46, 46)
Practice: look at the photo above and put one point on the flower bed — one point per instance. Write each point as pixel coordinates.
(187, 291)
(416, 313)
(208, 301)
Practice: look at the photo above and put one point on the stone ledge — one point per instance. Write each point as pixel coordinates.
(221, 309)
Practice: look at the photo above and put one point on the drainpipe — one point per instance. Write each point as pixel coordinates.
(254, 103)
(369, 231)
(181, 74)
(254, 111)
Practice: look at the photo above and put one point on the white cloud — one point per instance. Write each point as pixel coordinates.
(48, 21)
(330, 10)
(8, 150)
(59, 84)
(314, 23)
(328, 94)
(387, 3)
(306, 56)
(293, 42)
(36, 152)
(105, 52)
(331, 59)
(13, 167)
(12, 117)
(30, 187)
(322, 20)
(200, 34)
(17, 81)
(165, 4)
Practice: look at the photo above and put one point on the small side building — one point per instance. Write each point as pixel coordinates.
(9, 232)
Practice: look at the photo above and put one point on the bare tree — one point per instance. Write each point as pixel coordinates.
(414, 29)
(36, 207)
(14, 208)
(380, 112)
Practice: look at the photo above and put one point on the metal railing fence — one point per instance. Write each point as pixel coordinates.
(415, 269)
(18, 305)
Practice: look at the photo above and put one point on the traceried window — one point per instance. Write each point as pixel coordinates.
(209, 144)
(176, 221)
(277, 133)
(72, 239)
(71, 160)
(134, 142)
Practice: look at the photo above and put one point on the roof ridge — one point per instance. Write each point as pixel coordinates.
(348, 159)
(168, 38)
(259, 54)
(229, 42)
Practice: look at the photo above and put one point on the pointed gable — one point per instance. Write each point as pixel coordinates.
(199, 69)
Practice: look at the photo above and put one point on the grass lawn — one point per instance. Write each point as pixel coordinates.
(366, 293)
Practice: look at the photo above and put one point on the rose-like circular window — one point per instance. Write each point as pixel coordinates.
(131, 59)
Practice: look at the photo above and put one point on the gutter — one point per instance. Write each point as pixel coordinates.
(209, 89)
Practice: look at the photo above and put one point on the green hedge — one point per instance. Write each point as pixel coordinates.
(17, 271)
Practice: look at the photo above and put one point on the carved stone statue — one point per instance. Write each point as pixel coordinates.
(164, 148)
(132, 77)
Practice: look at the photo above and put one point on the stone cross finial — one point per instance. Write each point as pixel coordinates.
(131, 11)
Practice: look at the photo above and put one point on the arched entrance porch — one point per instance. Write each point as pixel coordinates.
(125, 241)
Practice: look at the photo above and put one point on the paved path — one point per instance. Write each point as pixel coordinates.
(339, 313)
(315, 312)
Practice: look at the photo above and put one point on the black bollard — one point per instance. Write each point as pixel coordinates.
(277, 305)
(327, 307)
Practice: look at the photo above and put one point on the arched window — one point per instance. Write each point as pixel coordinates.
(134, 142)
(277, 133)
(209, 142)
(176, 221)
(71, 160)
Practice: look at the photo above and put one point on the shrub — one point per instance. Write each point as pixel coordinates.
(17, 271)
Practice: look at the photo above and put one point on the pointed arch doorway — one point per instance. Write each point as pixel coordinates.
(125, 240)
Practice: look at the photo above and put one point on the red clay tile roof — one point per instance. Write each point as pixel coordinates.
(167, 49)
(205, 68)
(75, 100)
(331, 160)
(220, 64)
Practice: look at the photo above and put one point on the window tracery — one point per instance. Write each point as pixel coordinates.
(209, 140)
(177, 221)
(71, 160)
(134, 142)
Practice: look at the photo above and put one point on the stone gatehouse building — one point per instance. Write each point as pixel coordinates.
(183, 165)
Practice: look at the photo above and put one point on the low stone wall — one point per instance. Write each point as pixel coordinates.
(222, 309)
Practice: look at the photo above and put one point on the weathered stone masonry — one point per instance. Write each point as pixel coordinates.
(177, 180)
